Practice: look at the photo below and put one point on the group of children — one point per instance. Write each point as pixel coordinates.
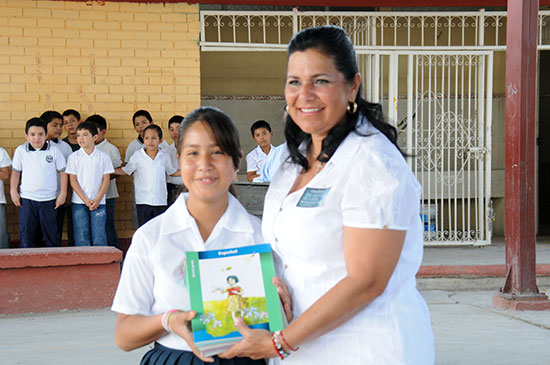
(44, 167)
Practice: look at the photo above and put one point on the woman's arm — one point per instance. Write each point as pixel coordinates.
(371, 256)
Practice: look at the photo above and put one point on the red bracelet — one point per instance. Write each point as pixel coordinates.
(276, 349)
(286, 343)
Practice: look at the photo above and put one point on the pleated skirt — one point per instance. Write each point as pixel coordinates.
(162, 355)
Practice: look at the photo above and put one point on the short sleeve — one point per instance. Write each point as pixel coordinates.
(16, 164)
(380, 191)
(60, 162)
(169, 165)
(134, 294)
(131, 165)
(5, 160)
(250, 162)
(107, 165)
(71, 165)
(115, 157)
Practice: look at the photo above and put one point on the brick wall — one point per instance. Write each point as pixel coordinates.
(110, 58)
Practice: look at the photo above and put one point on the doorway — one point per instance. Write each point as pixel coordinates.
(543, 143)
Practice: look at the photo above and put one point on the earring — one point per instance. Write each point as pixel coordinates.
(286, 108)
(352, 107)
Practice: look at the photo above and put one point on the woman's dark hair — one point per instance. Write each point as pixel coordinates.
(222, 127)
(333, 42)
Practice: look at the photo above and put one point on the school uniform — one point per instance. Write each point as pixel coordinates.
(149, 183)
(5, 161)
(366, 184)
(74, 146)
(65, 209)
(272, 163)
(153, 275)
(38, 191)
(112, 192)
(255, 161)
(89, 225)
(173, 183)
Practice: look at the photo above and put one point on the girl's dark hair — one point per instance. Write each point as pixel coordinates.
(155, 128)
(333, 42)
(222, 127)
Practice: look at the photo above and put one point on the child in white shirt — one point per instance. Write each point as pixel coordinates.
(89, 170)
(174, 183)
(5, 163)
(37, 164)
(151, 166)
(255, 160)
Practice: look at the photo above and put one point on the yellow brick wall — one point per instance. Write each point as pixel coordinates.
(108, 58)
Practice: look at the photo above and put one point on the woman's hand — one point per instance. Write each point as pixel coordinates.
(180, 324)
(284, 294)
(256, 344)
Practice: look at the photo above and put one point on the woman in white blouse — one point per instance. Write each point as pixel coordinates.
(342, 214)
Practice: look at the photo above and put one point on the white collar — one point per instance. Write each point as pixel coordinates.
(81, 150)
(177, 217)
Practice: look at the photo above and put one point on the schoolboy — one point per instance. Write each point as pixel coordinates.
(5, 163)
(141, 120)
(54, 124)
(150, 165)
(174, 183)
(255, 160)
(89, 171)
(37, 164)
(112, 192)
(71, 120)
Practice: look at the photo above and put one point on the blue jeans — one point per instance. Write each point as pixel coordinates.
(89, 225)
(112, 236)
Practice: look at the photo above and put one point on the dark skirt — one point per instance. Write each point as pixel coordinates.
(162, 355)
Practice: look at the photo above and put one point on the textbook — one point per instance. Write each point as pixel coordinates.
(229, 283)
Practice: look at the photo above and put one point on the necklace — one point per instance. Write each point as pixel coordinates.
(319, 166)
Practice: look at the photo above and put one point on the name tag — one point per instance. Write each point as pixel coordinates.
(313, 197)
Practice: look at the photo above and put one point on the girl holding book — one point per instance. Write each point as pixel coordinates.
(152, 300)
(343, 214)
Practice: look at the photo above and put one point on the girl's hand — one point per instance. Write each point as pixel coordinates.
(256, 344)
(180, 323)
(284, 294)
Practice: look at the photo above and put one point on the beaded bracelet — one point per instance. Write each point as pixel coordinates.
(278, 346)
(286, 343)
(166, 319)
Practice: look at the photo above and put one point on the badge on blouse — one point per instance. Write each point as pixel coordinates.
(313, 197)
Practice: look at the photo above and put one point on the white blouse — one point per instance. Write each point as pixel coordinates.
(153, 275)
(366, 184)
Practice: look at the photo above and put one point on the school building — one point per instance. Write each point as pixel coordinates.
(437, 68)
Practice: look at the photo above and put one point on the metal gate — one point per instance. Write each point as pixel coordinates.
(442, 109)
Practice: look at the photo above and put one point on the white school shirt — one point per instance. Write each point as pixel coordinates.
(89, 171)
(150, 176)
(368, 184)
(173, 152)
(5, 161)
(66, 150)
(255, 161)
(136, 144)
(113, 152)
(153, 275)
(39, 170)
(272, 163)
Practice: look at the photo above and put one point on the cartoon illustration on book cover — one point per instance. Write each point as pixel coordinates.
(241, 296)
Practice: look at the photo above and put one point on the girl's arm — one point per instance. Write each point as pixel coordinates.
(371, 256)
(63, 191)
(133, 331)
(14, 188)
(78, 190)
(4, 173)
(102, 190)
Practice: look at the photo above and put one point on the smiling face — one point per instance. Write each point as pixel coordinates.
(36, 136)
(70, 123)
(316, 93)
(55, 128)
(205, 169)
(140, 123)
(151, 140)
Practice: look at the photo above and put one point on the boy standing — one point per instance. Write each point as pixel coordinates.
(255, 160)
(112, 192)
(174, 183)
(54, 128)
(5, 163)
(38, 163)
(71, 120)
(141, 120)
(151, 166)
(89, 171)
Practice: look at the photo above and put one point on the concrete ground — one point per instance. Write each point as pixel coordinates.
(467, 328)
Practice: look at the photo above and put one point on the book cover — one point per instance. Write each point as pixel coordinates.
(229, 283)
